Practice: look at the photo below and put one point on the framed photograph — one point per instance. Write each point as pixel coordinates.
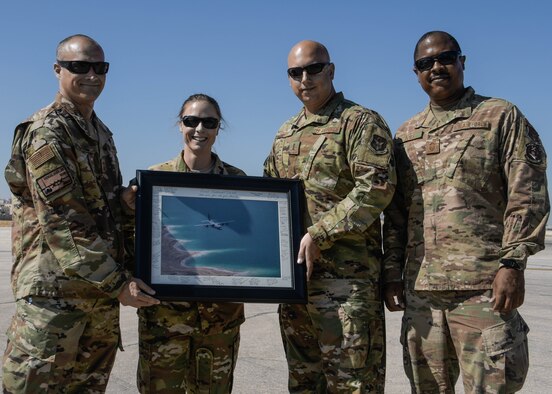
(203, 237)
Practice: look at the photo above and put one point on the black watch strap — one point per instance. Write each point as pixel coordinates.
(509, 263)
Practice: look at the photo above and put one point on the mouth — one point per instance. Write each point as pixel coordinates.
(199, 139)
(440, 77)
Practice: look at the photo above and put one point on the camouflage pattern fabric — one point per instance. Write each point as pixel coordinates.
(189, 346)
(61, 345)
(335, 343)
(472, 190)
(68, 247)
(344, 157)
(445, 330)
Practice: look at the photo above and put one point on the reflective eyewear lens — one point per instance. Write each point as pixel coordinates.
(81, 67)
(444, 58)
(311, 69)
(193, 121)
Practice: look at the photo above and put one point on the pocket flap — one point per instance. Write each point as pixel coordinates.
(33, 341)
(505, 336)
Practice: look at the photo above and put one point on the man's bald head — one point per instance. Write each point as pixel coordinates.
(75, 44)
(309, 48)
(314, 87)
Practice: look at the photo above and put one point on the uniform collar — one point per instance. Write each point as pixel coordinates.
(462, 109)
(72, 111)
(218, 168)
(322, 117)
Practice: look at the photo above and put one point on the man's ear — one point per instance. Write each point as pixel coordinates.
(57, 70)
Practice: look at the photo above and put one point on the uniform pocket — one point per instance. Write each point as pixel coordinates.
(45, 334)
(506, 346)
(31, 340)
(356, 337)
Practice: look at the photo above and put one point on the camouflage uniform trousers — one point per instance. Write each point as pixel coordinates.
(336, 342)
(177, 358)
(61, 345)
(444, 332)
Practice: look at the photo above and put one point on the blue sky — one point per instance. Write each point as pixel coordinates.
(163, 51)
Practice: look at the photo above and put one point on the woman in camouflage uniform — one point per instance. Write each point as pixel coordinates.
(191, 346)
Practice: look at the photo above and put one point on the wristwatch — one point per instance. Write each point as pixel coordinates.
(509, 263)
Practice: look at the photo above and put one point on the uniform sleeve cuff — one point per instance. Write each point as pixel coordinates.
(114, 285)
(320, 237)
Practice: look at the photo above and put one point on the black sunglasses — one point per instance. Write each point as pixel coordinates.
(444, 58)
(82, 67)
(311, 69)
(194, 121)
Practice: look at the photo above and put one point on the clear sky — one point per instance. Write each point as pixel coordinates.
(163, 51)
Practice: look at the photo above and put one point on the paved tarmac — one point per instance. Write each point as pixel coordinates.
(261, 366)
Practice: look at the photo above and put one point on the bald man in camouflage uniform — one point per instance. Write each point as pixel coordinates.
(67, 237)
(471, 206)
(343, 154)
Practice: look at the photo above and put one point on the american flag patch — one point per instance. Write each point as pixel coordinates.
(41, 156)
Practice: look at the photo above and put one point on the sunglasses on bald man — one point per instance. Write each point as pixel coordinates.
(311, 69)
(82, 67)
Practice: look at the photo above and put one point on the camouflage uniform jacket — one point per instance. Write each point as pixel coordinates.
(471, 191)
(214, 318)
(344, 156)
(67, 236)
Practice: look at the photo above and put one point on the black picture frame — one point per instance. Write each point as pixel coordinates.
(213, 238)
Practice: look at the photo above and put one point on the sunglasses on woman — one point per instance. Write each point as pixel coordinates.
(194, 121)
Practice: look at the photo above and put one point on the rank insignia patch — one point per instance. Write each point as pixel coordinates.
(54, 181)
(433, 146)
(533, 153)
(378, 144)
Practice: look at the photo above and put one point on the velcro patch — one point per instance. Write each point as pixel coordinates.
(41, 156)
(54, 181)
(294, 147)
(378, 144)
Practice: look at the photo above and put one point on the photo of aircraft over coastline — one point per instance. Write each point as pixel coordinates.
(212, 223)
(246, 243)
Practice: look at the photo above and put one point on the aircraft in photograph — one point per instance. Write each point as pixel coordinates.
(212, 223)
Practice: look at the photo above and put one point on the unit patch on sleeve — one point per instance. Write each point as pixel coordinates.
(533, 153)
(54, 181)
(378, 144)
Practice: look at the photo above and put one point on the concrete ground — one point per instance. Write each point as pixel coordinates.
(261, 366)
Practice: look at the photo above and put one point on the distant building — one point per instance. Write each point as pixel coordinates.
(5, 210)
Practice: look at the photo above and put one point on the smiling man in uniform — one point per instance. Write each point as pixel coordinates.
(69, 211)
(470, 207)
(343, 154)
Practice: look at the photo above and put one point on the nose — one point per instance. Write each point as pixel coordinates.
(436, 64)
(199, 128)
(304, 76)
(91, 73)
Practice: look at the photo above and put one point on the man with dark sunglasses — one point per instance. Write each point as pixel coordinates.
(470, 207)
(69, 243)
(343, 154)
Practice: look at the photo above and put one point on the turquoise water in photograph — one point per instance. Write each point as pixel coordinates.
(241, 236)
